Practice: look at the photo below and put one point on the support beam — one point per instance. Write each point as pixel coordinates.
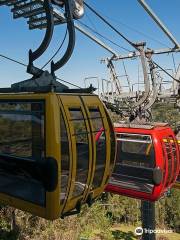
(116, 56)
(159, 23)
(96, 40)
(137, 54)
(148, 220)
(60, 16)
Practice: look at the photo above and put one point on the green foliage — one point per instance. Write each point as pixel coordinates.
(94, 222)
(172, 208)
(123, 235)
(166, 113)
(124, 209)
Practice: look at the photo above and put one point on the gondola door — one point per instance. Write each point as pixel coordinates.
(171, 155)
(104, 145)
(80, 151)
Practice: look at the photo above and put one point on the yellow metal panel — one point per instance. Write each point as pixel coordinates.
(53, 150)
(27, 96)
(23, 205)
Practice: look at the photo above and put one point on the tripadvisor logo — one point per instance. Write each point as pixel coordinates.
(139, 231)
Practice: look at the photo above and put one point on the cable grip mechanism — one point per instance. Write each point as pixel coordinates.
(36, 72)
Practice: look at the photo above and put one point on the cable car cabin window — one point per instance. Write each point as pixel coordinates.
(113, 143)
(174, 153)
(178, 178)
(65, 160)
(22, 149)
(82, 149)
(136, 150)
(168, 154)
(98, 128)
(135, 162)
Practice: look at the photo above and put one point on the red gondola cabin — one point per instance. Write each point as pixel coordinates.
(147, 161)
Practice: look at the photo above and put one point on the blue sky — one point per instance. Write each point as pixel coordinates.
(16, 40)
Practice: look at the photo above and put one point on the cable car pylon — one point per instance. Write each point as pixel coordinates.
(148, 220)
(127, 178)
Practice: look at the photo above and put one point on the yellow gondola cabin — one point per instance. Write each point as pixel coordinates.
(50, 162)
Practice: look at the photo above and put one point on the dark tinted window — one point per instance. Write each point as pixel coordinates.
(22, 149)
(82, 148)
(113, 143)
(65, 159)
(135, 150)
(168, 154)
(22, 130)
(98, 129)
(174, 153)
(135, 161)
(178, 178)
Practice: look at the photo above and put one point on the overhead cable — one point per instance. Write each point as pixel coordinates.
(137, 31)
(25, 65)
(62, 43)
(13, 60)
(177, 80)
(74, 85)
(111, 26)
(106, 38)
